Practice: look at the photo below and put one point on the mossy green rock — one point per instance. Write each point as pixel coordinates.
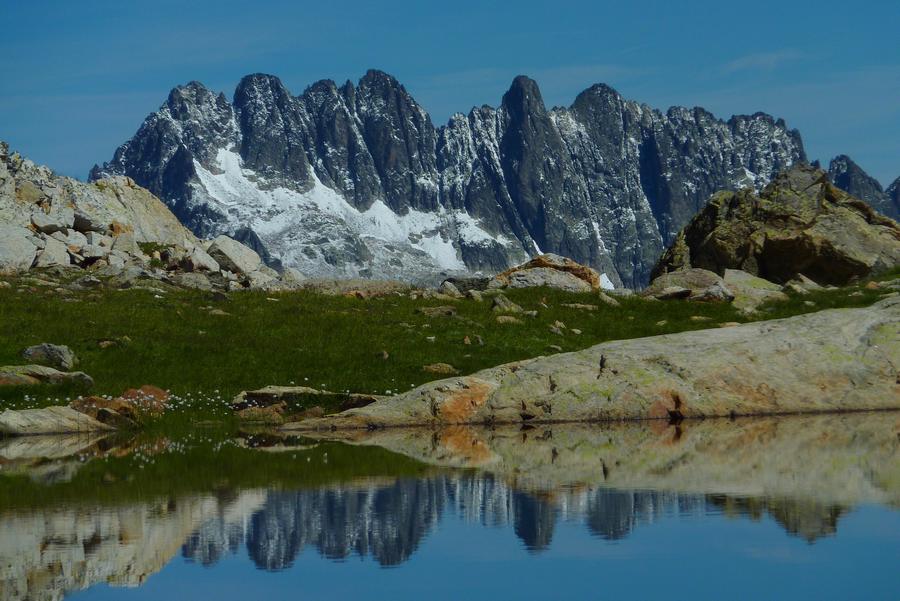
(800, 223)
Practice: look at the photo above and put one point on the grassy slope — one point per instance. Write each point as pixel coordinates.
(322, 341)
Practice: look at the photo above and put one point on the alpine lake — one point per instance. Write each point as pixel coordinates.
(773, 508)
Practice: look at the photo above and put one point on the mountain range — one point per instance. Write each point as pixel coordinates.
(356, 180)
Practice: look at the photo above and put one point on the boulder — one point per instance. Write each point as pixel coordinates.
(466, 283)
(750, 291)
(799, 223)
(234, 256)
(50, 420)
(549, 270)
(692, 283)
(53, 355)
(292, 277)
(17, 251)
(261, 279)
(148, 399)
(837, 360)
(29, 375)
(55, 221)
(501, 304)
(74, 240)
(450, 289)
(53, 253)
(199, 260)
(194, 280)
(118, 413)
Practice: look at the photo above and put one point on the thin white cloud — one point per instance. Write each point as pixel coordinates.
(763, 61)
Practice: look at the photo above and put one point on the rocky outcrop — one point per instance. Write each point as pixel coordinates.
(355, 180)
(799, 224)
(841, 359)
(111, 228)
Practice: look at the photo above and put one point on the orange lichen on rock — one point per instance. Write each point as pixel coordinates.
(459, 406)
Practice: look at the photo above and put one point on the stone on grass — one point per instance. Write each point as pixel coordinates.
(501, 304)
(444, 369)
(53, 355)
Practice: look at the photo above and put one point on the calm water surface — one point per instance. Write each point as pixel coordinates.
(778, 508)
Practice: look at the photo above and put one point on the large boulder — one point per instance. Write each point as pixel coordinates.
(53, 355)
(233, 256)
(54, 253)
(552, 271)
(18, 248)
(693, 284)
(834, 360)
(800, 223)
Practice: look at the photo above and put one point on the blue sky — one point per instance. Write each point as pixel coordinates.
(77, 78)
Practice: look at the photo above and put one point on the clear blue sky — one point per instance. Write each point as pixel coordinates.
(77, 78)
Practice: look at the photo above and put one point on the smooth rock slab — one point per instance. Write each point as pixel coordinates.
(50, 420)
(835, 360)
(27, 375)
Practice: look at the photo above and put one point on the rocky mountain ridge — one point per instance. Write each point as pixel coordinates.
(355, 180)
(850, 177)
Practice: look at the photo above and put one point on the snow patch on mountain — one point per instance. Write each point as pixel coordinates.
(307, 229)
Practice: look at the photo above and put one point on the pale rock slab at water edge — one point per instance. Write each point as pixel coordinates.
(50, 420)
(840, 359)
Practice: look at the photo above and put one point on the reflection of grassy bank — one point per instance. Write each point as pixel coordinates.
(332, 342)
(146, 467)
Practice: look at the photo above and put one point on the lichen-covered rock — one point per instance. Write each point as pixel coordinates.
(840, 359)
(549, 270)
(750, 291)
(800, 223)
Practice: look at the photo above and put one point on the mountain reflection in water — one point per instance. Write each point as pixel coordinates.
(50, 550)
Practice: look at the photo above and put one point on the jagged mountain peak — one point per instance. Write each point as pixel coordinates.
(356, 179)
(849, 176)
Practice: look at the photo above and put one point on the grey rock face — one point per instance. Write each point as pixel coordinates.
(850, 177)
(355, 180)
